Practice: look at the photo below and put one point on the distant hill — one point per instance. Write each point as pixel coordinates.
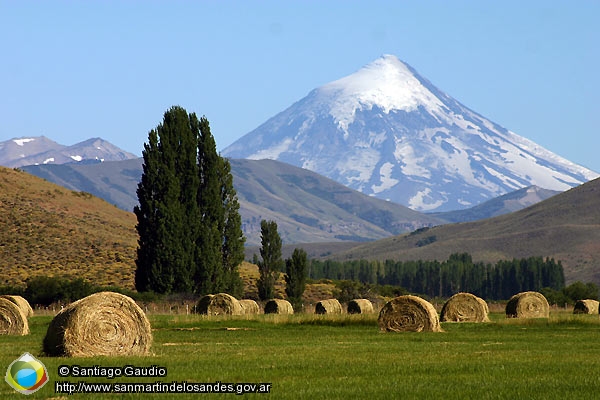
(311, 208)
(22, 151)
(306, 206)
(510, 202)
(46, 229)
(565, 227)
(114, 181)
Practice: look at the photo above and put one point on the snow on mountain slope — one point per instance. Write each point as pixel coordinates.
(388, 132)
(23, 151)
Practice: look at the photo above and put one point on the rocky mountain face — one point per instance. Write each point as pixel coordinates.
(390, 133)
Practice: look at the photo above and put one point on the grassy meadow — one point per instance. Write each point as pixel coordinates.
(347, 357)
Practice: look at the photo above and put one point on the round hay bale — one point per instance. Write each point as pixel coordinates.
(249, 306)
(278, 306)
(360, 306)
(22, 303)
(527, 305)
(12, 319)
(408, 314)
(219, 304)
(465, 307)
(102, 324)
(329, 306)
(586, 307)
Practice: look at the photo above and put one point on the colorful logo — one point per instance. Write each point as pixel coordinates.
(26, 374)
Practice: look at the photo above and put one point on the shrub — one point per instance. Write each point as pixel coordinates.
(45, 290)
(555, 296)
(581, 291)
(9, 289)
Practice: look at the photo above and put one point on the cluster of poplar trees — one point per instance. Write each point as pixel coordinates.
(188, 221)
(457, 274)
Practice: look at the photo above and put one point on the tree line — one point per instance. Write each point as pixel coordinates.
(443, 279)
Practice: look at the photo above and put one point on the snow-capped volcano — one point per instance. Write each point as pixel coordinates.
(388, 132)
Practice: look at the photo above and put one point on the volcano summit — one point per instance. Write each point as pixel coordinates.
(388, 132)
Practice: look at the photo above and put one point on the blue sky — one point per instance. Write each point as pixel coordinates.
(72, 70)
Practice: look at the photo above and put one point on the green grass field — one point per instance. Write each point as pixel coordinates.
(347, 357)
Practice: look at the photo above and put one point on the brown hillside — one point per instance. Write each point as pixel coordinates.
(566, 227)
(48, 230)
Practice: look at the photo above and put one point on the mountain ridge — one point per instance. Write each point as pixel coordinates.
(507, 203)
(18, 152)
(306, 206)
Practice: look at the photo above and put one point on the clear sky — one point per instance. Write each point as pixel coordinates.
(73, 70)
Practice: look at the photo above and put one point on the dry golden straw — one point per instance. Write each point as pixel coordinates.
(360, 306)
(102, 324)
(465, 307)
(586, 307)
(250, 306)
(408, 314)
(527, 305)
(278, 306)
(22, 303)
(219, 304)
(12, 319)
(329, 306)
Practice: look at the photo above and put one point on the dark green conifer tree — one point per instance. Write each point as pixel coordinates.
(148, 271)
(209, 277)
(295, 279)
(271, 263)
(163, 258)
(232, 249)
(188, 212)
(185, 141)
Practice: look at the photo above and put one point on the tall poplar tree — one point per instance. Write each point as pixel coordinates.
(232, 246)
(295, 277)
(187, 211)
(163, 256)
(271, 263)
(151, 272)
(209, 277)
